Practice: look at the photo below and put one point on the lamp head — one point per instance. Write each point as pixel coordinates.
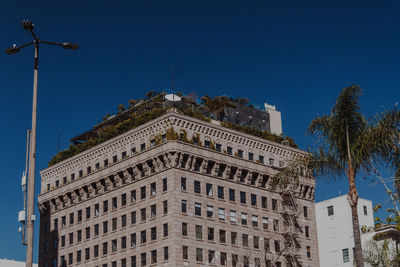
(72, 46)
(27, 25)
(12, 50)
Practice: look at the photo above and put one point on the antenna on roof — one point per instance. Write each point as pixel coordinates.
(172, 82)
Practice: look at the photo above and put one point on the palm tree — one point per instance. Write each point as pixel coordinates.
(349, 144)
(217, 105)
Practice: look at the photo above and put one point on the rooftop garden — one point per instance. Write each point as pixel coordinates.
(153, 106)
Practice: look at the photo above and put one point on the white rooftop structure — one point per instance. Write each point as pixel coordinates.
(13, 263)
(275, 119)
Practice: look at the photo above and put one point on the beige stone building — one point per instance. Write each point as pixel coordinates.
(142, 199)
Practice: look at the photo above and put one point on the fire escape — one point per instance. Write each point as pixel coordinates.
(291, 234)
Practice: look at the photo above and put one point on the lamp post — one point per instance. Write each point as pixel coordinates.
(30, 217)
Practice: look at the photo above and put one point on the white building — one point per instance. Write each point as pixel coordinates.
(13, 263)
(335, 229)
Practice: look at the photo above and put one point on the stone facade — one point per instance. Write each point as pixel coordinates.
(144, 199)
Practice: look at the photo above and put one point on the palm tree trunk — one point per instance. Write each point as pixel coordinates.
(352, 197)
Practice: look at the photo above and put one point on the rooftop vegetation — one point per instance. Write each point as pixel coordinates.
(145, 110)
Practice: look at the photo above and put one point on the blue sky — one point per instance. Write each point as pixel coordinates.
(296, 55)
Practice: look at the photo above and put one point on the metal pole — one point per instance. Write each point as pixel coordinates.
(30, 218)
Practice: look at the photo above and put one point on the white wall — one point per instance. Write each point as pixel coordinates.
(335, 232)
(12, 263)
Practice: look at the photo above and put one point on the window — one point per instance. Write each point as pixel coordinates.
(105, 247)
(211, 256)
(63, 221)
(96, 251)
(63, 241)
(64, 180)
(256, 242)
(244, 218)
(221, 214)
(229, 150)
(257, 262)
(184, 229)
(165, 229)
(276, 225)
(133, 196)
(365, 210)
(115, 159)
(143, 214)
(133, 151)
(143, 192)
(114, 245)
(277, 246)
(221, 192)
(234, 238)
(184, 206)
(307, 231)
(105, 205)
(199, 254)
(253, 200)
(197, 209)
(143, 237)
(207, 144)
(71, 238)
(246, 261)
(218, 147)
(308, 252)
(254, 221)
(133, 240)
(210, 234)
(79, 215)
(123, 221)
(261, 159)
(165, 206)
(209, 190)
(88, 213)
(232, 215)
(57, 183)
(266, 245)
(305, 211)
(210, 211)
(114, 224)
(222, 236)
(153, 189)
(133, 261)
(185, 253)
(183, 183)
(265, 223)
(165, 184)
(242, 197)
(142, 147)
(251, 156)
(143, 259)
(71, 218)
(96, 209)
(133, 217)
(345, 253)
(153, 211)
(153, 233)
(123, 262)
(245, 240)
(240, 153)
(105, 227)
(123, 200)
(96, 230)
(235, 260)
(197, 188)
(89, 170)
(123, 154)
(79, 235)
(330, 210)
(153, 256)
(274, 204)
(87, 232)
(231, 194)
(264, 203)
(72, 176)
(114, 203)
(271, 162)
(199, 232)
(105, 162)
(281, 164)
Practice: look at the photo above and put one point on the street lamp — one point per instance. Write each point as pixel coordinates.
(30, 218)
